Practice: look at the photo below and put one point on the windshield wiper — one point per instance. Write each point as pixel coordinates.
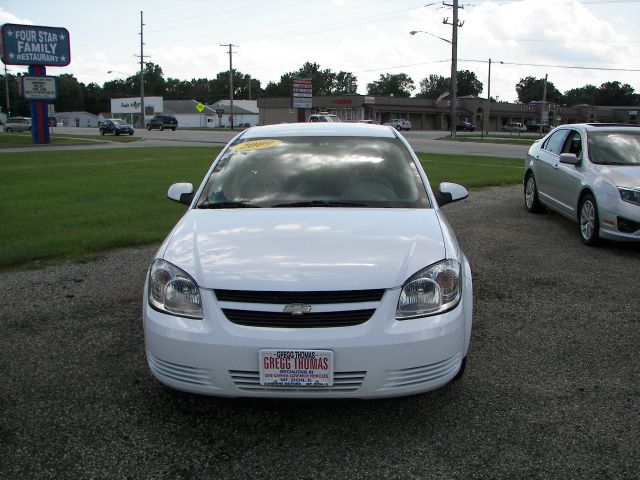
(227, 205)
(318, 203)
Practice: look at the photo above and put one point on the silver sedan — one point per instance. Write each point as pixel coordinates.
(590, 173)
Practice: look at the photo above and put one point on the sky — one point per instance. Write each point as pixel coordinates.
(599, 39)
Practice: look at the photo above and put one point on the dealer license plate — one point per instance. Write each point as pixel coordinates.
(296, 368)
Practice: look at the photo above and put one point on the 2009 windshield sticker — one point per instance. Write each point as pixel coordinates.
(256, 145)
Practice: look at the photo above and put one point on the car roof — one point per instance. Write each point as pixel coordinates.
(342, 129)
(592, 127)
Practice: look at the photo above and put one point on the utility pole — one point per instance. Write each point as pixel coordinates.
(6, 89)
(454, 62)
(544, 103)
(230, 45)
(142, 63)
(488, 107)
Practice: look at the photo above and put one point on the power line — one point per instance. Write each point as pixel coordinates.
(575, 67)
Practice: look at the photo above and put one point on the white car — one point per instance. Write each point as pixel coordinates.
(314, 261)
(590, 173)
(323, 117)
(399, 124)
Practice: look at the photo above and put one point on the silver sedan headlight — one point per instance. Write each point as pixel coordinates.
(631, 196)
(431, 291)
(173, 291)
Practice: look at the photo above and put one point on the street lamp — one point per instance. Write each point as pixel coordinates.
(454, 75)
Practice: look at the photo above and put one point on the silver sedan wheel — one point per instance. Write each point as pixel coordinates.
(530, 192)
(588, 219)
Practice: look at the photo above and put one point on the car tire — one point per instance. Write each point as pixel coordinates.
(531, 201)
(460, 373)
(174, 129)
(102, 131)
(161, 127)
(8, 130)
(148, 127)
(117, 133)
(399, 128)
(130, 133)
(588, 221)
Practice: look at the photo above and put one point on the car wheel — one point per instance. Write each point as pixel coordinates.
(102, 131)
(117, 133)
(588, 222)
(463, 365)
(8, 130)
(399, 128)
(148, 127)
(130, 133)
(161, 127)
(531, 201)
(174, 129)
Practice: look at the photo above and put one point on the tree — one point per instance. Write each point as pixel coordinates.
(531, 89)
(433, 86)
(468, 84)
(583, 95)
(345, 83)
(392, 85)
(70, 94)
(616, 94)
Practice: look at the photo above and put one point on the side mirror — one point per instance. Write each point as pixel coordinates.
(569, 158)
(451, 192)
(181, 193)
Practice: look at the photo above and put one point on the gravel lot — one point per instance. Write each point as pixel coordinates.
(551, 388)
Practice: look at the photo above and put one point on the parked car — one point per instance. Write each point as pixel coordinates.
(18, 124)
(399, 124)
(115, 126)
(535, 127)
(323, 117)
(590, 173)
(465, 126)
(514, 127)
(314, 261)
(163, 121)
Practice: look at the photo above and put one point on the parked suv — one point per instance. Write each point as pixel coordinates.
(465, 126)
(514, 127)
(18, 124)
(399, 124)
(163, 121)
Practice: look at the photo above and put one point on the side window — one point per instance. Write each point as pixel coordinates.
(554, 142)
(573, 144)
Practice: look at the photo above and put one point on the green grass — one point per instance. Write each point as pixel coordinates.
(470, 171)
(514, 139)
(19, 139)
(73, 205)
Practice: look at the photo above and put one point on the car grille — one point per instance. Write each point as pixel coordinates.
(342, 382)
(409, 377)
(253, 318)
(309, 298)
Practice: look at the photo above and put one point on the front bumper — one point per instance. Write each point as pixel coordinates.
(379, 358)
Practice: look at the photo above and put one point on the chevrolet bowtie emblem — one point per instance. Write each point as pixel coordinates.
(297, 309)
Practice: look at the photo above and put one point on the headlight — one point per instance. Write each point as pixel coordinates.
(433, 290)
(173, 291)
(631, 196)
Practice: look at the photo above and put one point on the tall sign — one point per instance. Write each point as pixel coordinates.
(301, 95)
(37, 47)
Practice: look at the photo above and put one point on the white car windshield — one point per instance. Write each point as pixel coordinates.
(315, 172)
(614, 148)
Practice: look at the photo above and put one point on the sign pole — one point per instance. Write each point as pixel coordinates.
(39, 111)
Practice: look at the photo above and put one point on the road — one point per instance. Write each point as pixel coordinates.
(421, 141)
(551, 389)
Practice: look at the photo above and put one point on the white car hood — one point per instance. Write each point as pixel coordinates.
(305, 249)
(622, 176)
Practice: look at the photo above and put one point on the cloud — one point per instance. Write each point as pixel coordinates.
(7, 17)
